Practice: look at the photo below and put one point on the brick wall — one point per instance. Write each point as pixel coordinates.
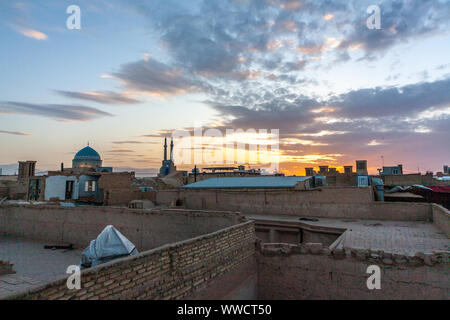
(307, 272)
(116, 188)
(175, 271)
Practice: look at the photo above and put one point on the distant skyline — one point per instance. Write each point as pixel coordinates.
(137, 70)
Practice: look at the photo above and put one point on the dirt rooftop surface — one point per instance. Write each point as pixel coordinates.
(33, 264)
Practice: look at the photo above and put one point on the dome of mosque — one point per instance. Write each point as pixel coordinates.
(87, 153)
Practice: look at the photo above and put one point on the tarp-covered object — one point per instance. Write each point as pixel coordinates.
(440, 189)
(109, 245)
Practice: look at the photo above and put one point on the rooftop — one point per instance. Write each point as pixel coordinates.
(32, 263)
(397, 237)
(247, 182)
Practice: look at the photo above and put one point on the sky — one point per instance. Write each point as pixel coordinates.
(137, 71)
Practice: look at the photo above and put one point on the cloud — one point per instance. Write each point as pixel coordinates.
(62, 112)
(16, 133)
(156, 78)
(364, 121)
(105, 97)
(30, 33)
(128, 142)
(395, 101)
(401, 21)
(212, 45)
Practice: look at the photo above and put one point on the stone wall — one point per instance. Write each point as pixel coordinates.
(79, 225)
(312, 272)
(183, 270)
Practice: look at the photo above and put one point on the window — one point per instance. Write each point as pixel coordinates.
(89, 186)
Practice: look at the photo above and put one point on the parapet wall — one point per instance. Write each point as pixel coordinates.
(441, 218)
(328, 202)
(411, 179)
(312, 272)
(187, 269)
(79, 225)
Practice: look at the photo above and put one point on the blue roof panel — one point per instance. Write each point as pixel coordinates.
(246, 182)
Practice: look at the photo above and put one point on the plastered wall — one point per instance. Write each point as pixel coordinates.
(333, 202)
(145, 228)
(441, 218)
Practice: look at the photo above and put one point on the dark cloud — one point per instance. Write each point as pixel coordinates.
(211, 45)
(403, 101)
(105, 97)
(401, 21)
(368, 121)
(63, 112)
(153, 77)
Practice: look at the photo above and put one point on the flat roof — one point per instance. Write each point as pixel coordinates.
(33, 264)
(398, 237)
(247, 182)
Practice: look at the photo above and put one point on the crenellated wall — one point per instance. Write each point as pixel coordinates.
(310, 271)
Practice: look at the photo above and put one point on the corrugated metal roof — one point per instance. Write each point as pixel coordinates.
(246, 182)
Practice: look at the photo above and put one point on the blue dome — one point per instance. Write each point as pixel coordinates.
(87, 153)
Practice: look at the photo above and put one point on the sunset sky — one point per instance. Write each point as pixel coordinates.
(336, 90)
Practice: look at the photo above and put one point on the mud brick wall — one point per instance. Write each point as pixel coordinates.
(312, 272)
(174, 271)
(116, 188)
(411, 179)
(147, 229)
(327, 202)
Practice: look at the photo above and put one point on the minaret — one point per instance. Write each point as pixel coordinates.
(165, 149)
(171, 149)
